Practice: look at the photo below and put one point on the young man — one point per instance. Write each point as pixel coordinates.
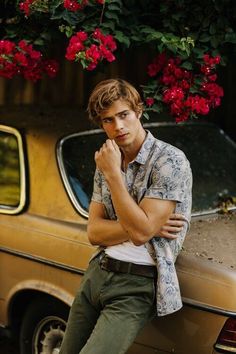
(139, 183)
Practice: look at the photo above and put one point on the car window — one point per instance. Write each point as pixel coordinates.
(11, 177)
(211, 153)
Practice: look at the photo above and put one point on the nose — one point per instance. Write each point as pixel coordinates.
(118, 123)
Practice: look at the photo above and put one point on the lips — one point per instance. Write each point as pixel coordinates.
(122, 136)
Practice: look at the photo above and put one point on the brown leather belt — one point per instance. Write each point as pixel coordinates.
(114, 265)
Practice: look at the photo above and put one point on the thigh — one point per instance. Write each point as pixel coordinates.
(83, 314)
(128, 305)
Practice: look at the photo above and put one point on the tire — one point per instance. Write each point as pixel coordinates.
(43, 327)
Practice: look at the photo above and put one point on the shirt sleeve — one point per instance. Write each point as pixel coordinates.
(170, 177)
(97, 187)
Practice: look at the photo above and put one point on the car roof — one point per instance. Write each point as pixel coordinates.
(57, 119)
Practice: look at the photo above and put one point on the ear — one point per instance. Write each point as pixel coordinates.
(139, 115)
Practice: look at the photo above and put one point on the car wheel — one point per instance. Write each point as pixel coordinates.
(43, 327)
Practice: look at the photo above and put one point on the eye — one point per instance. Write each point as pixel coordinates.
(107, 120)
(124, 114)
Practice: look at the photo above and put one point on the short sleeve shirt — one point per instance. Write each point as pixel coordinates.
(160, 171)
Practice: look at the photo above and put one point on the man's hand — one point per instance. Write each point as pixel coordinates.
(108, 158)
(173, 226)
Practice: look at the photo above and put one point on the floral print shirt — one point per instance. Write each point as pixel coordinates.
(161, 171)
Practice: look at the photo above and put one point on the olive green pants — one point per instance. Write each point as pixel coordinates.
(108, 312)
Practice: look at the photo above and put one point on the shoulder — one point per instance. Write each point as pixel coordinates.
(167, 153)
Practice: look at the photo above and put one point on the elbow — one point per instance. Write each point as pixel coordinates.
(91, 237)
(140, 238)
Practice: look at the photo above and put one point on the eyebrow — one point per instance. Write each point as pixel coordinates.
(117, 114)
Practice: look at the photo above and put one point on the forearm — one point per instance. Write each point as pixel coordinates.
(105, 232)
(131, 216)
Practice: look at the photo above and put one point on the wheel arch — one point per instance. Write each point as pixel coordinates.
(22, 299)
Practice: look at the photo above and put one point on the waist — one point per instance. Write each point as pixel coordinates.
(117, 266)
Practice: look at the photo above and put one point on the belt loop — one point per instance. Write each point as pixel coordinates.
(129, 268)
(117, 265)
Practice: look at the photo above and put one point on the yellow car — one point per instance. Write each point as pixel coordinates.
(46, 178)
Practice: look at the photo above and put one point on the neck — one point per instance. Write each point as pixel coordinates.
(130, 152)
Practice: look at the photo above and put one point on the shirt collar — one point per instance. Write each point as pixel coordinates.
(145, 149)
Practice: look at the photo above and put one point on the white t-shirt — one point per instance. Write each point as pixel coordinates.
(128, 252)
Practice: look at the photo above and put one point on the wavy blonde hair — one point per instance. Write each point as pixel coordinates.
(108, 91)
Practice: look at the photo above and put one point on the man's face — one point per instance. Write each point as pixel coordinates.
(121, 123)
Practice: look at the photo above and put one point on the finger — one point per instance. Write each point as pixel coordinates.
(115, 145)
(176, 223)
(177, 217)
(109, 143)
(171, 229)
(168, 235)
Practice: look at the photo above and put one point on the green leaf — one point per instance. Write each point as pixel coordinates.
(146, 29)
(204, 38)
(187, 65)
(112, 16)
(230, 37)
(109, 25)
(146, 115)
(212, 29)
(122, 38)
(153, 36)
(39, 42)
(114, 7)
(215, 41)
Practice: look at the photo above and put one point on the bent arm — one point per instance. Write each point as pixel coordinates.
(142, 221)
(102, 231)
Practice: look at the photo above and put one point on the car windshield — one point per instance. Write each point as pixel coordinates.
(211, 153)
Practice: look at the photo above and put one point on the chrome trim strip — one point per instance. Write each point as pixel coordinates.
(69, 190)
(186, 301)
(225, 348)
(67, 185)
(41, 260)
(8, 209)
(204, 307)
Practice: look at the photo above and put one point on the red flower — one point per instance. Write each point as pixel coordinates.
(149, 101)
(173, 93)
(198, 104)
(51, 67)
(93, 53)
(157, 65)
(6, 47)
(174, 85)
(97, 34)
(109, 41)
(152, 69)
(73, 5)
(212, 89)
(25, 6)
(82, 36)
(21, 59)
(90, 50)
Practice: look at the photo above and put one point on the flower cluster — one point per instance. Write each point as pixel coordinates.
(25, 6)
(75, 5)
(186, 93)
(91, 49)
(28, 6)
(23, 59)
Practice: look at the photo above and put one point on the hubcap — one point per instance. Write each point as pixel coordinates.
(48, 335)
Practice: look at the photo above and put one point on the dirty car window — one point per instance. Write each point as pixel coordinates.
(211, 154)
(9, 170)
